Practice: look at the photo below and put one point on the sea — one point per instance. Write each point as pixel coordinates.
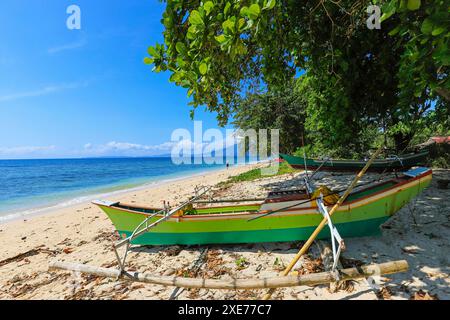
(29, 187)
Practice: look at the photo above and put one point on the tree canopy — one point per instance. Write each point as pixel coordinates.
(350, 76)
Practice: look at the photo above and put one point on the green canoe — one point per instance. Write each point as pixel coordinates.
(390, 164)
(360, 215)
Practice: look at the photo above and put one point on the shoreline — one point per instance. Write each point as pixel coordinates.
(72, 202)
(83, 234)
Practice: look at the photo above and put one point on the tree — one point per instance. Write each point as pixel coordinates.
(222, 50)
(284, 110)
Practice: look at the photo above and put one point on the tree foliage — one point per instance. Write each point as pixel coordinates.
(391, 79)
(284, 109)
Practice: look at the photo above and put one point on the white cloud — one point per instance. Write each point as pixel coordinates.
(25, 151)
(43, 91)
(126, 146)
(115, 148)
(69, 46)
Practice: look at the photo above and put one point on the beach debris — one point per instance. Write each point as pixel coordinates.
(410, 250)
(241, 263)
(310, 265)
(136, 286)
(106, 236)
(23, 238)
(169, 272)
(193, 270)
(29, 253)
(213, 260)
(278, 264)
(173, 251)
(109, 264)
(17, 289)
(68, 250)
(422, 295)
(81, 294)
(65, 242)
(384, 293)
(350, 263)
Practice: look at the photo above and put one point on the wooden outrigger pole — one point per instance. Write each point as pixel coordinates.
(234, 284)
(319, 228)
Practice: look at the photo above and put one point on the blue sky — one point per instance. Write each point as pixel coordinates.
(75, 93)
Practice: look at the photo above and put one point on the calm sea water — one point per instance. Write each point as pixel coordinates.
(30, 185)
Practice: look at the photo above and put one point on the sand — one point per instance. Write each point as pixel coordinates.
(418, 233)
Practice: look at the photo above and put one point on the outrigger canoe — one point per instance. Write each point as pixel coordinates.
(390, 164)
(295, 218)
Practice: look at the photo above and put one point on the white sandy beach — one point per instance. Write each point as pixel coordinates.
(418, 233)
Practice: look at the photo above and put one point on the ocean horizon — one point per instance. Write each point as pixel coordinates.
(30, 186)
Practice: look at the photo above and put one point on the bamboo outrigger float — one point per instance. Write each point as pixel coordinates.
(220, 225)
(234, 284)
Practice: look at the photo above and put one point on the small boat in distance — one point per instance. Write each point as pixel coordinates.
(394, 163)
(294, 215)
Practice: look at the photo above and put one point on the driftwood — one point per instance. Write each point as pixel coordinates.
(27, 254)
(233, 284)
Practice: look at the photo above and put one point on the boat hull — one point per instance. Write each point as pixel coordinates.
(355, 218)
(401, 163)
(351, 229)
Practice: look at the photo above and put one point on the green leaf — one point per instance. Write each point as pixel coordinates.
(203, 68)
(403, 6)
(190, 35)
(181, 48)
(437, 31)
(344, 65)
(152, 51)
(175, 77)
(227, 8)
(244, 11)
(413, 5)
(270, 4)
(442, 54)
(221, 38)
(195, 18)
(208, 6)
(228, 26)
(148, 60)
(241, 24)
(254, 11)
(394, 31)
(388, 9)
(427, 26)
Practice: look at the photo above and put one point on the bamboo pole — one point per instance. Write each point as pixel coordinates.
(324, 221)
(234, 284)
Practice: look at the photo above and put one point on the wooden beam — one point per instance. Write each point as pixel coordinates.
(233, 284)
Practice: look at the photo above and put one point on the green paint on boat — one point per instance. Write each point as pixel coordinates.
(356, 217)
(351, 229)
(397, 163)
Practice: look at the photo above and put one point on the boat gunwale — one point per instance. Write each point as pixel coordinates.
(315, 161)
(213, 215)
